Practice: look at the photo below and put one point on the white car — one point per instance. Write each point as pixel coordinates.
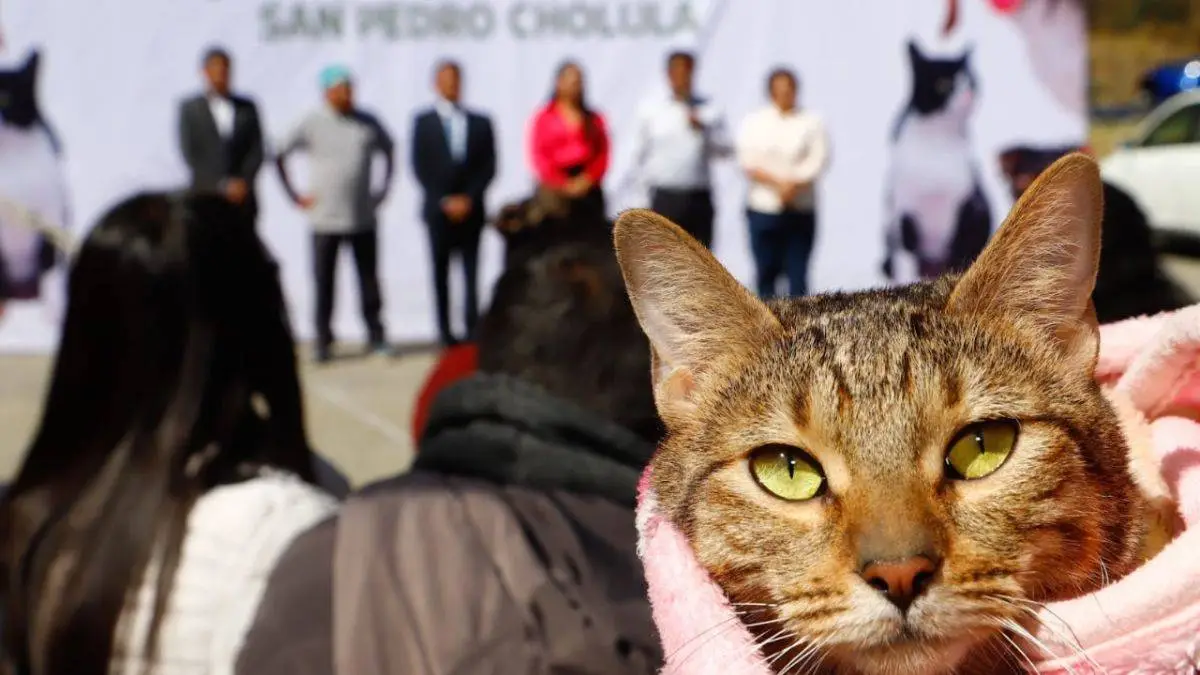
(1160, 168)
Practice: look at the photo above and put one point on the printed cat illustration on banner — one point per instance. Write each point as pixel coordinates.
(31, 184)
(894, 481)
(937, 215)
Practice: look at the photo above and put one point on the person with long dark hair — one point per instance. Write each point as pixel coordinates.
(569, 144)
(171, 466)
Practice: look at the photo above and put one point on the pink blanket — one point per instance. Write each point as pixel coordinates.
(1148, 622)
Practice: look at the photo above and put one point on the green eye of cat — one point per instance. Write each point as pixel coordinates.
(788, 473)
(980, 449)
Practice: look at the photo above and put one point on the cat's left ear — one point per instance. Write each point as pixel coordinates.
(694, 312)
(1040, 268)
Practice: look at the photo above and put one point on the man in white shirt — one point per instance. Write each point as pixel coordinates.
(784, 151)
(221, 137)
(678, 137)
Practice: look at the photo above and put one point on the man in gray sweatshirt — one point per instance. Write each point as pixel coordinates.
(341, 142)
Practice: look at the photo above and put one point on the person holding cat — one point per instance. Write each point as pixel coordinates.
(220, 136)
(784, 151)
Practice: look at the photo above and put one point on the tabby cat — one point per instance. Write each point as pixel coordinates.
(894, 480)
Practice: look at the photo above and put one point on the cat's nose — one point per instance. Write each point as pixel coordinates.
(900, 580)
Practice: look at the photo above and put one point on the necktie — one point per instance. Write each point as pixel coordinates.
(451, 125)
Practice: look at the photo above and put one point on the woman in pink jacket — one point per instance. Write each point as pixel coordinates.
(569, 145)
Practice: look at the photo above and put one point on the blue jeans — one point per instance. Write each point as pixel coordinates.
(782, 244)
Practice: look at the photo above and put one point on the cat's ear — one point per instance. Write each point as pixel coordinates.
(1040, 268)
(691, 308)
(31, 63)
(914, 52)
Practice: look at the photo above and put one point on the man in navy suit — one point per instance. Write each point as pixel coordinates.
(220, 136)
(454, 159)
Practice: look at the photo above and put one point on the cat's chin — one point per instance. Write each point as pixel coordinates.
(910, 657)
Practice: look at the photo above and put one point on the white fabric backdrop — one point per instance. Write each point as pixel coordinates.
(113, 72)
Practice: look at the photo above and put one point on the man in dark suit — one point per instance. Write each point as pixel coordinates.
(221, 137)
(454, 159)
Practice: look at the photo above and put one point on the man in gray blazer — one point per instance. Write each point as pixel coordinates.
(221, 138)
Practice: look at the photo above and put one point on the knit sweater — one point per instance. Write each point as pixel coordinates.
(235, 535)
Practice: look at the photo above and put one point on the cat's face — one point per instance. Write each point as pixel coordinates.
(944, 86)
(886, 481)
(18, 102)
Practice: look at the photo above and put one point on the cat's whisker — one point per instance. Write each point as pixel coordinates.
(1037, 642)
(804, 657)
(711, 633)
(815, 658)
(1017, 648)
(781, 634)
(754, 604)
(765, 623)
(1062, 630)
(722, 625)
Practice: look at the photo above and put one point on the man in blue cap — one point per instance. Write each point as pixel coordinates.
(341, 142)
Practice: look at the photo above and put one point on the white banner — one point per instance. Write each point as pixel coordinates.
(111, 75)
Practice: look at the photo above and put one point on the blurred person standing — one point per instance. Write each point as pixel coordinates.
(678, 136)
(510, 547)
(220, 136)
(784, 151)
(569, 145)
(342, 142)
(454, 159)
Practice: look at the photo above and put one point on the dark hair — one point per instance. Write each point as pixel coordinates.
(445, 64)
(782, 71)
(560, 319)
(680, 55)
(216, 53)
(175, 374)
(590, 127)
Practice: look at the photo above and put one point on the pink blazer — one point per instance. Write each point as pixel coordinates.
(555, 147)
(1149, 622)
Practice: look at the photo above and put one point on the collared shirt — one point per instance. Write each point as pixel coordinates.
(454, 123)
(672, 153)
(222, 113)
(792, 146)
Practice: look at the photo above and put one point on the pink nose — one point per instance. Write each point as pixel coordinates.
(900, 580)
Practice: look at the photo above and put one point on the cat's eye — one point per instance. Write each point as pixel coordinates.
(788, 473)
(980, 449)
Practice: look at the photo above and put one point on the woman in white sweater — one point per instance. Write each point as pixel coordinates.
(171, 467)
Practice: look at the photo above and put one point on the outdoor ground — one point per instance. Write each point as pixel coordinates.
(359, 410)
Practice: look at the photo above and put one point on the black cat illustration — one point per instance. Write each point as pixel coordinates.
(32, 190)
(937, 215)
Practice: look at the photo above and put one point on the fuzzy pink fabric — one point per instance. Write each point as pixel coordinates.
(1149, 622)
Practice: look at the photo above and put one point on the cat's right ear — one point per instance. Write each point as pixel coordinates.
(691, 308)
(1040, 268)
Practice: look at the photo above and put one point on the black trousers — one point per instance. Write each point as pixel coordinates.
(690, 209)
(448, 240)
(365, 247)
(782, 245)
